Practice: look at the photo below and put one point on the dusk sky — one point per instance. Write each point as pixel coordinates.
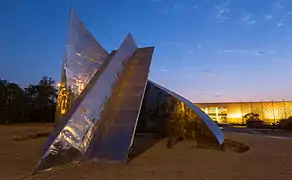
(208, 50)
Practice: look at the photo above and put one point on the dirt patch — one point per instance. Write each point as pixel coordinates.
(276, 132)
(235, 146)
(228, 145)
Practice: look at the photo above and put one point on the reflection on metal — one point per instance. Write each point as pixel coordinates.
(82, 125)
(118, 121)
(83, 57)
(207, 121)
(163, 109)
(81, 68)
(63, 101)
(105, 101)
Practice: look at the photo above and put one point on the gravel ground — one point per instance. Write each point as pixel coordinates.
(268, 158)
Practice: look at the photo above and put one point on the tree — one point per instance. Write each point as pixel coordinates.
(286, 124)
(41, 100)
(176, 121)
(251, 117)
(12, 102)
(253, 120)
(36, 103)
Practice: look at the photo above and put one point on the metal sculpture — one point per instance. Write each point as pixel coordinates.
(101, 96)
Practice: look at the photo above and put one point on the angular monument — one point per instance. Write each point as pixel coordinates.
(104, 96)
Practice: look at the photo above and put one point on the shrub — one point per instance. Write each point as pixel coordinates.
(253, 121)
(255, 124)
(286, 124)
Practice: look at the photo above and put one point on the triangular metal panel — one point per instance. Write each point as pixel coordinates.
(84, 55)
(82, 59)
(119, 119)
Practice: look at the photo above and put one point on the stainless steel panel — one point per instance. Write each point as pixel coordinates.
(212, 127)
(84, 55)
(82, 59)
(117, 125)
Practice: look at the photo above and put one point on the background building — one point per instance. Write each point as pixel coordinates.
(232, 112)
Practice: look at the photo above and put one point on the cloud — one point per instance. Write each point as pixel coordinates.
(225, 51)
(163, 69)
(218, 95)
(162, 12)
(247, 18)
(255, 52)
(268, 17)
(222, 12)
(177, 6)
(196, 49)
(195, 6)
(212, 95)
(259, 52)
(280, 23)
(279, 6)
(240, 51)
(276, 60)
(284, 18)
(169, 5)
(209, 72)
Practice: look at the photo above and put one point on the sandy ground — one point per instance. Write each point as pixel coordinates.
(268, 158)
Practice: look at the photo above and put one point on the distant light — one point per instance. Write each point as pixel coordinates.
(59, 84)
(63, 111)
(234, 115)
(78, 54)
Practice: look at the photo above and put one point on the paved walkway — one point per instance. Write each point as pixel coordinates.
(276, 133)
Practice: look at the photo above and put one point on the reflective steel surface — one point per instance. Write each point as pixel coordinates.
(65, 118)
(84, 55)
(208, 122)
(74, 139)
(82, 59)
(118, 121)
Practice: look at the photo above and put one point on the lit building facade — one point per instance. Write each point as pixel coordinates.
(232, 112)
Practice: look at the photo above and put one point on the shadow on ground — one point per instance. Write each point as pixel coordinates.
(143, 142)
(228, 145)
(235, 146)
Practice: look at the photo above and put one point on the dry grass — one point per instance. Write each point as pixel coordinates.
(268, 158)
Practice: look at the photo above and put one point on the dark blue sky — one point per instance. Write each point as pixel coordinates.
(207, 50)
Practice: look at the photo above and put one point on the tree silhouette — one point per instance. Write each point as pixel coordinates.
(12, 102)
(252, 117)
(41, 100)
(36, 103)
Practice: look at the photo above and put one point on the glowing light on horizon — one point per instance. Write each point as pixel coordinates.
(234, 115)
